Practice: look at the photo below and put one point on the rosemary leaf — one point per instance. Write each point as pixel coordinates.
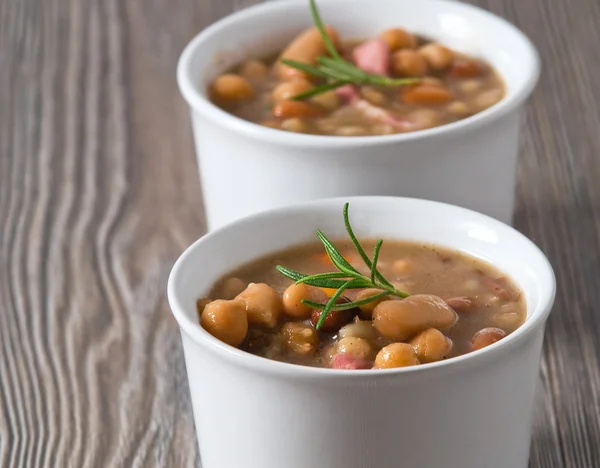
(321, 27)
(347, 305)
(289, 273)
(319, 90)
(332, 301)
(375, 258)
(359, 248)
(305, 67)
(335, 256)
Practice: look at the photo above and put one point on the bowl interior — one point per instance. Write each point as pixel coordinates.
(385, 217)
(266, 28)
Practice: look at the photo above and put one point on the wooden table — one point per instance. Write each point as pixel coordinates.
(99, 194)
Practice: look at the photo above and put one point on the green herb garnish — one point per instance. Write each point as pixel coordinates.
(337, 71)
(347, 277)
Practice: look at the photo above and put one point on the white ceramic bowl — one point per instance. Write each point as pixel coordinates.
(472, 411)
(246, 168)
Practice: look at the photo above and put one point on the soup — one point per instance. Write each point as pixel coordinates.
(418, 84)
(451, 304)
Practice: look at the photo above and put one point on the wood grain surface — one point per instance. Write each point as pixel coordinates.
(99, 194)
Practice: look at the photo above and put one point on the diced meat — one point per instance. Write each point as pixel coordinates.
(347, 93)
(372, 56)
(344, 361)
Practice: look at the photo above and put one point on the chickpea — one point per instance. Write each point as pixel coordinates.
(300, 109)
(300, 338)
(359, 329)
(306, 47)
(403, 319)
(358, 348)
(486, 337)
(396, 355)
(431, 345)
(293, 296)
(425, 94)
(437, 56)
(288, 89)
(398, 38)
(226, 321)
(230, 87)
(408, 63)
(254, 70)
(366, 310)
(263, 304)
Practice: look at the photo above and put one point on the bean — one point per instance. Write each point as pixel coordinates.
(231, 287)
(470, 86)
(295, 294)
(226, 321)
(488, 98)
(294, 125)
(431, 345)
(271, 123)
(328, 100)
(507, 320)
(306, 48)
(486, 337)
(458, 108)
(402, 266)
(301, 109)
(263, 304)
(403, 319)
(335, 319)
(351, 130)
(231, 87)
(373, 96)
(466, 68)
(396, 355)
(461, 303)
(288, 89)
(425, 94)
(408, 63)
(359, 329)
(398, 38)
(437, 56)
(366, 310)
(300, 338)
(358, 348)
(254, 70)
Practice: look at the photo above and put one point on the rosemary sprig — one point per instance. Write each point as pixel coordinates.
(347, 277)
(335, 70)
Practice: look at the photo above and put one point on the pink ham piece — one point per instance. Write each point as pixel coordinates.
(347, 93)
(343, 361)
(372, 56)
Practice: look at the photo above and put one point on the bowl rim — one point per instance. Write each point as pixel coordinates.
(199, 102)
(259, 364)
